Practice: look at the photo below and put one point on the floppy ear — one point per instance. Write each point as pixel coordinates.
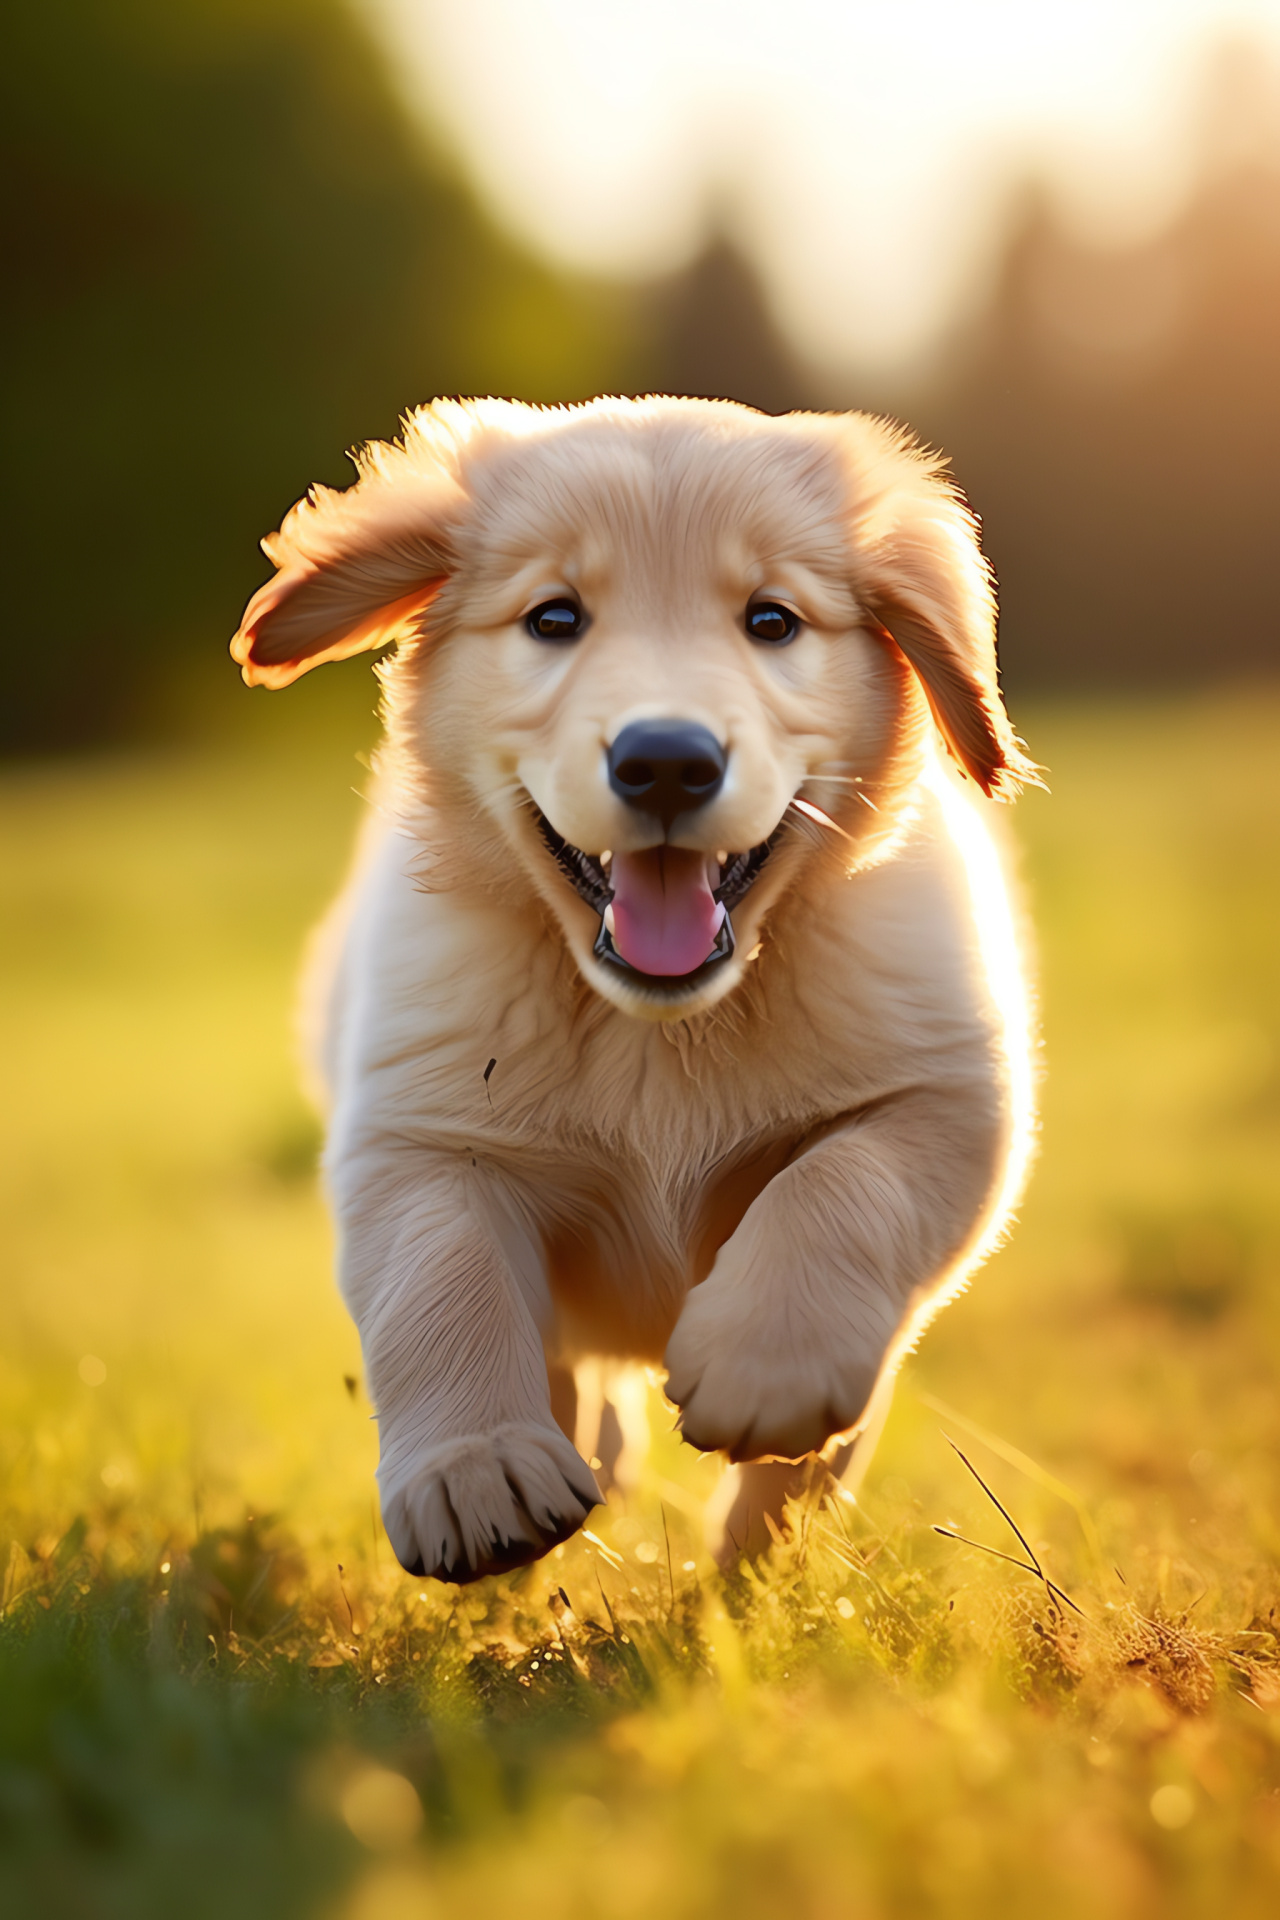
(355, 568)
(921, 576)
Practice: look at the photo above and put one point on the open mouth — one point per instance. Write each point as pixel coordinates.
(665, 914)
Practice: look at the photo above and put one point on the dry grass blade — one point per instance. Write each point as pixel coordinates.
(948, 1533)
(1055, 1592)
(1022, 1462)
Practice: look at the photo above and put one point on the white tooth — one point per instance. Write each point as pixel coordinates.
(722, 857)
(606, 858)
(608, 918)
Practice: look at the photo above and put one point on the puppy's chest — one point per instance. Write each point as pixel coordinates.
(653, 1150)
(626, 1232)
(663, 1112)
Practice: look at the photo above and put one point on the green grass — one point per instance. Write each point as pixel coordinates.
(214, 1682)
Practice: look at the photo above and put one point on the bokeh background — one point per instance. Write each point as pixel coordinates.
(240, 236)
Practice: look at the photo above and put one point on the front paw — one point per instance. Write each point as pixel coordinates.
(761, 1385)
(486, 1503)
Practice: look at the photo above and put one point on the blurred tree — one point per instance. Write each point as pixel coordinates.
(226, 256)
(708, 331)
(1115, 419)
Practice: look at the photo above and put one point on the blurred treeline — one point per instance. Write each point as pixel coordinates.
(228, 256)
(1115, 415)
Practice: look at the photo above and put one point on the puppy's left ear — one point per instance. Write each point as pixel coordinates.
(921, 576)
(356, 569)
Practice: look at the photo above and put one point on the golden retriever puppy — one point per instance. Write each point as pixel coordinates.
(673, 1011)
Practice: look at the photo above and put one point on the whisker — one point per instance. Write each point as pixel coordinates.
(808, 830)
(821, 819)
(844, 780)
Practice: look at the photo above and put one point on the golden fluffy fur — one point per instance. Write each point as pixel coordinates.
(768, 1174)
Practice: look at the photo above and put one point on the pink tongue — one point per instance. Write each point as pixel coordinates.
(664, 918)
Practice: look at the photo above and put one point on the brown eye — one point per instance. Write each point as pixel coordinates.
(770, 625)
(556, 620)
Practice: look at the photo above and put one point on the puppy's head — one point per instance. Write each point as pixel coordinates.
(657, 658)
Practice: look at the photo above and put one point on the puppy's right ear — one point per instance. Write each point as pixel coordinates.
(357, 569)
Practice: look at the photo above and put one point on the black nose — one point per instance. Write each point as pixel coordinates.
(666, 767)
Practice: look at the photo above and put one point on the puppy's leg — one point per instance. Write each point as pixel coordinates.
(612, 1421)
(749, 1507)
(445, 1280)
(563, 1390)
(781, 1345)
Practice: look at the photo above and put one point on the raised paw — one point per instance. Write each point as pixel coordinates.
(487, 1502)
(774, 1387)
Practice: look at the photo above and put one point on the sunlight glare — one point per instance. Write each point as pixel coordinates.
(865, 156)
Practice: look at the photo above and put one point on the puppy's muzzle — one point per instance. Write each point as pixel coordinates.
(666, 767)
(664, 909)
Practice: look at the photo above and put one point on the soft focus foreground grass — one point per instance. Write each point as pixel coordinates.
(217, 1693)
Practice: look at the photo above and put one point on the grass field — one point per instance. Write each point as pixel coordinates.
(219, 1696)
